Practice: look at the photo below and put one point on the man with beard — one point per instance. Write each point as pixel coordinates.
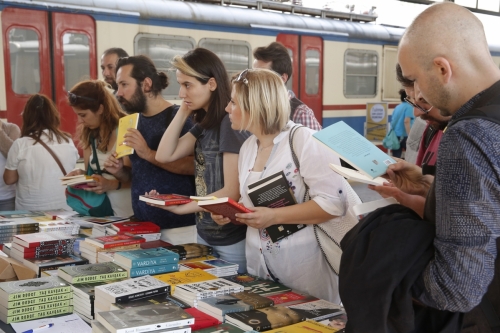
(108, 65)
(139, 90)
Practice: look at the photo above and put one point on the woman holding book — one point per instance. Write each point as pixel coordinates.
(29, 163)
(205, 90)
(98, 114)
(260, 104)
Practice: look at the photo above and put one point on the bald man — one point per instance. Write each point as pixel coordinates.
(445, 53)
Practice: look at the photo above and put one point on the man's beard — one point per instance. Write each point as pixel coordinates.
(137, 103)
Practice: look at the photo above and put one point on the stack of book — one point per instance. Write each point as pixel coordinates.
(154, 317)
(62, 226)
(90, 247)
(217, 267)
(257, 285)
(128, 290)
(225, 328)
(147, 230)
(219, 306)
(92, 273)
(46, 265)
(191, 250)
(41, 245)
(194, 275)
(10, 228)
(35, 298)
(192, 292)
(148, 262)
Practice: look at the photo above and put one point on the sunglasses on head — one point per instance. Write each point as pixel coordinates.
(73, 99)
(242, 77)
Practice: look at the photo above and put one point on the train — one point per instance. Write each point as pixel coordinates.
(342, 61)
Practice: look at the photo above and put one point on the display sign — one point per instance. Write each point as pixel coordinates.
(376, 121)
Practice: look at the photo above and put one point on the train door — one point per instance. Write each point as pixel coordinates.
(307, 79)
(46, 53)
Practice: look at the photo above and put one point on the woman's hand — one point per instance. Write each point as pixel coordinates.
(76, 172)
(261, 217)
(219, 219)
(101, 185)
(113, 165)
(176, 209)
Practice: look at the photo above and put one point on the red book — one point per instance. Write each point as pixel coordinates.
(226, 207)
(166, 199)
(136, 227)
(42, 249)
(52, 253)
(42, 239)
(107, 242)
(201, 319)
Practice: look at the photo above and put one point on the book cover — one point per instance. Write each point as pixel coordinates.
(236, 302)
(189, 276)
(191, 250)
(355, 149)
(16, 254)
(40, 287)
(165, 199)
(141, 319)
(87, 290)
(144, 258)
(8, 312)
(15, 214)
(318, 310)
(153, 270)
(107, 242)
(226, 207)
(357, 176)
(136, 227)
(91, 248)
(41, 239)
(76, 180)
(41, 249)
(222, 328)
(36, 315)
(34, 300)
(201, 319)
(92, 272)
(130, 121)
(306, 326)
(256, 285)
(338, 322)
(156, 299)
(40, 265)
(265, 319)
(209, 288)
(289, 298)
(196, 259)
(155, 244)
(130, 289)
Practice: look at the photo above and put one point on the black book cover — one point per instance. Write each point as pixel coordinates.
(274, 192)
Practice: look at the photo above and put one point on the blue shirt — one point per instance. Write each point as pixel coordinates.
(467, 211)
(402, 111)
(147, 176)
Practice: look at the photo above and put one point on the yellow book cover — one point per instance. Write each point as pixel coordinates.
(125, 123)
(188, 276)
(305, 326)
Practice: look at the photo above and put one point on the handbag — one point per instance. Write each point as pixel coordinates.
(329, 234)
(87, 202)
(391, 140)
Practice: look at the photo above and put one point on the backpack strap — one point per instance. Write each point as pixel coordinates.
(51, 152)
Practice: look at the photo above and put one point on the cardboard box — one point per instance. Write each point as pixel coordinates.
(12, 270)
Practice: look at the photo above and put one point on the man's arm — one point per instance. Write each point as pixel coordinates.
(8, 134)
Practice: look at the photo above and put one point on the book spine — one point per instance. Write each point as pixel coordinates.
(39, 300)
(166, 260)
(135, 272)
(50, 242)
(148, 293)
(30, 230)
(39, 314)
(121, 243)
(38, 255)
(39, 293)
(101, 277)
(38, 307)
(154, 327)
(41, 249)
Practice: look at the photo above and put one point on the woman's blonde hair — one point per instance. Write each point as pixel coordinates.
(263, 97)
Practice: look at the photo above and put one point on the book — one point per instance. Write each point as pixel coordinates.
(4, 302)
(190, 250)
(130, 289)
(165, 199)
(274, 191)
(97, 327)
(257, 285)
(145, 258)
(292, 297)
(107, 242)
(156, 299)
(37, 314)
(305, 326)
(192, 292)
(61, 324)
(40, 287)
(62, 226)
(356, 176)
(155, 244)
(318, 310)
(9, 312)
(237, 302)
(189, 276)
(45, 238)
(201, 319)
(355, 149)
(130, 121)
(43, 248)
(94, 249)
(226, 207)
(153, 270)
(74, 181)
(136, 227)
(92, 272)
(265, 319)
(40, 265)
(145, 318)
(370, 206)
(217, 267)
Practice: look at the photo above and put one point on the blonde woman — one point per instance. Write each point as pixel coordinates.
(259, 103)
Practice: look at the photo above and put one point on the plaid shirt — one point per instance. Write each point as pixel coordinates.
(305, 116)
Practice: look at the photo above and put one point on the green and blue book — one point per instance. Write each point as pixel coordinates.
(147, 257)
(153, 270)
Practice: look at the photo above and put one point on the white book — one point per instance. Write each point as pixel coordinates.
(366, 207)
(357, 176)
(205, 289)
(127, 290)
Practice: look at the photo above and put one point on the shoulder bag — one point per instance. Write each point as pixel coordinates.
(87, 202)
(391, 140)
(330, 233)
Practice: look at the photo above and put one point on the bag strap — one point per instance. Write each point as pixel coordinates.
(94, 155)
(399, 117)
(51, 153)
(296, 159)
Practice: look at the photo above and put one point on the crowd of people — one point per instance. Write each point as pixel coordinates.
(230, 132)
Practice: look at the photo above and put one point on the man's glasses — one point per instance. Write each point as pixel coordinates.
(242, 77)
(73, 99)
(407, 100)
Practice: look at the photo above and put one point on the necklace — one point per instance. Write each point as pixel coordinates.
(262, 148)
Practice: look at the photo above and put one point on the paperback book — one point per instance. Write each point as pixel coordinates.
(37, 314)
(92, 272)
(131, 289)
(152, 270)
(145, 258)
(35, 300)
(306, 326)
(290, 298)
(256, 285)
(217, 267)
(165, 199)
(40, 265)
(130, 121)
(135, 227)
(265, 319)
(45, 238)
(222, 328)
(192, 292)
(191, 250)
(189, 276)
(318, 310)
(107, 242)
(40, 287)
(157, 299)
(226, 207)
(201, 319)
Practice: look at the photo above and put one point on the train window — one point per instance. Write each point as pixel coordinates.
(24, 52)
(312, 72)
(161, 49)
(360, 73)
(235, 54)
(76, 58)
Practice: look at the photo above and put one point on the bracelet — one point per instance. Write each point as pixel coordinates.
(119, 186)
